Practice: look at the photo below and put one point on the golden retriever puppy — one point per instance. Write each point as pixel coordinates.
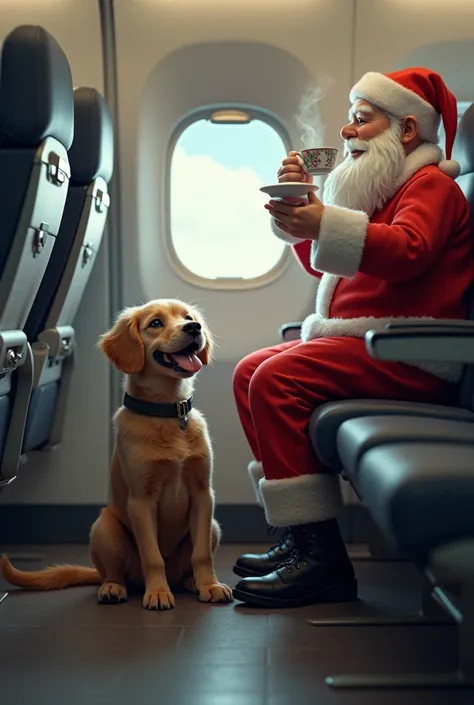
(158, 531)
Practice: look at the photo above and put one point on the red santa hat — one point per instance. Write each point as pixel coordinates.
(419, 92)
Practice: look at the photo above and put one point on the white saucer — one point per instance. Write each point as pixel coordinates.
(290, 189)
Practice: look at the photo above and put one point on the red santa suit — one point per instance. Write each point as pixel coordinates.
(411, 260)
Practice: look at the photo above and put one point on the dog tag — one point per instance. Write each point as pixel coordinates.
(183, 423)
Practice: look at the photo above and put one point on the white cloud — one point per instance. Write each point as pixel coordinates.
(218, 223)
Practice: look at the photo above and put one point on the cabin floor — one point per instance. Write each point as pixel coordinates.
(64, 648)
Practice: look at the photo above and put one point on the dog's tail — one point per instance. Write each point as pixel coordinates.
(54, 578)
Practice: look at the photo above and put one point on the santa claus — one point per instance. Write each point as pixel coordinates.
(392, 239)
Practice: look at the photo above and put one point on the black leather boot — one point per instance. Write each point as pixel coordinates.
(258, 564)
(318, 570)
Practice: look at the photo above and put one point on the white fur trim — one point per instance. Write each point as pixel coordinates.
(341, 241)
(281, 235)
(450, 167)
(427, 153)
(317, 326)
(302, 499)
(390, 96)
(255, 471)
(325, 292)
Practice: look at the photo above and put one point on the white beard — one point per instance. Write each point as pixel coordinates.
(368, 182)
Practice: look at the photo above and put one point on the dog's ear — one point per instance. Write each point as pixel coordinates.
(123, 346)
(206, 354)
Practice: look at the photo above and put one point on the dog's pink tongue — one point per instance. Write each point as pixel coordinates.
(190, 363)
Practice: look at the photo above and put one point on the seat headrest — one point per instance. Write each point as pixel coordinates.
(463, 147)
(36, 96)
(92, 151)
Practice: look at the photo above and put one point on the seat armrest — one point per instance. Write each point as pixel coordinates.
(440, 341)
(328, 418)
(290, 331)
(435, 323)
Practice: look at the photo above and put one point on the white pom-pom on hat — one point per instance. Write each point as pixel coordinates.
(450, 167)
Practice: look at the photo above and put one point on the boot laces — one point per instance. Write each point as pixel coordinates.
(298, 555)
(278, 546)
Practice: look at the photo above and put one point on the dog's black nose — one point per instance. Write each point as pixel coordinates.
(193, 328)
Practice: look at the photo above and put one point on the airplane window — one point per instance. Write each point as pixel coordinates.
(219, 227)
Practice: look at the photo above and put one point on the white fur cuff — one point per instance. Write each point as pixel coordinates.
(255, 470)
(301, 500)
(341, 241)
(289, 239)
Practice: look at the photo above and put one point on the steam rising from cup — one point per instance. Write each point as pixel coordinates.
(309, 117)
(318, 160)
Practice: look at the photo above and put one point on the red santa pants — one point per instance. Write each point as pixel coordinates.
(276, 391)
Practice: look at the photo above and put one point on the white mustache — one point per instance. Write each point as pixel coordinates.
(356, 145)
(366, 184)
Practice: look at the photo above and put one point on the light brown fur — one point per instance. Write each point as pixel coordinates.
(158, 531)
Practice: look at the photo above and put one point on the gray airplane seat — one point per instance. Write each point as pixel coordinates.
(424, 496)
(419, 491)
(327, 419)
(49, 326)
(420, 494)
(36, 130)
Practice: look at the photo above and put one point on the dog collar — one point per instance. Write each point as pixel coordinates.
(180, 410)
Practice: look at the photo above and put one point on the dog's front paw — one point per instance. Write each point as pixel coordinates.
(111, 594)
(215, 592)
(158, 600)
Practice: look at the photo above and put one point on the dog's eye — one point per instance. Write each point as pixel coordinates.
(155, 323)
(189, 317)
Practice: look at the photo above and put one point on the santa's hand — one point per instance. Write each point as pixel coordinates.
(301, 221)
(292, 169)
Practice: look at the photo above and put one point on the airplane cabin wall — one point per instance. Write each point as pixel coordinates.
(432, 33)
(169, 62)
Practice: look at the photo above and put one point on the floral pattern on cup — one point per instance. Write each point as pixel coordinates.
(319, 158)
